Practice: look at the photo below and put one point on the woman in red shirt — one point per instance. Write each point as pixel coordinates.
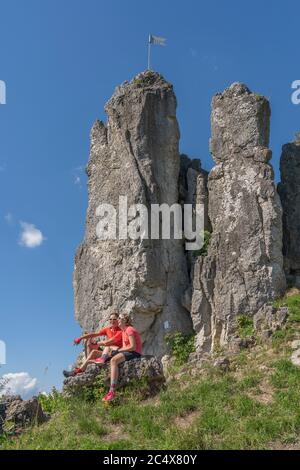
(131, 349)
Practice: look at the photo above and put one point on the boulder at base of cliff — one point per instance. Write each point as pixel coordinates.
(147, 368)
(17, 414)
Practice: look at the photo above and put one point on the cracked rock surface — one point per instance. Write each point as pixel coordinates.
(146, 367)
(135, 155)
(244, 266)
(289, 191)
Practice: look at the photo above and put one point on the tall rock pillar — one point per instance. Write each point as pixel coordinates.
(135, 155)
(243, 269)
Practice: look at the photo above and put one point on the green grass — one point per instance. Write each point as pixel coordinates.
(253, 406)
(293, 303)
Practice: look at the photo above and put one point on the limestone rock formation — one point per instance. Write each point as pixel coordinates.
(289, 191)
(295, 357)
(193, 185)
(18, 414)
(244, 266)
(193, 189)
(147, 367)
(134, 155)
(270, 319)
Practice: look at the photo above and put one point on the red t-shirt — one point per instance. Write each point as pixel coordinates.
(113, 333)
(130, 331)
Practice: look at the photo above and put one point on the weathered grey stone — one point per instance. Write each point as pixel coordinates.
(282, 316)
(193, 190)
(295, 344)
(21, 413)
(244, 266)
(193, 184)
(295, 357)
(237, 344)
(270, 318)
(147, 367)
(266, 334)
(222, 363)
(134, 155)
(289, 191)
(167, 362)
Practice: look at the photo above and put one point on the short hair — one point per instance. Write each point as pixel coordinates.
(115, 314)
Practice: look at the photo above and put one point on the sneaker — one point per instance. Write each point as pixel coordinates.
(69, 373)
(99, 360)
(110, 396)
(72, 373)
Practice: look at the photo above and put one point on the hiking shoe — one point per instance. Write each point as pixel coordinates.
(110, 396)
(99, 360)
(69, 373)
(72, 373)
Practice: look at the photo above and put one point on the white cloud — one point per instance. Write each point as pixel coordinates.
(19, 383)
(77, 180)
(30, 235)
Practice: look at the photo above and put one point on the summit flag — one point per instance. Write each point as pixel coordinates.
(157, 40)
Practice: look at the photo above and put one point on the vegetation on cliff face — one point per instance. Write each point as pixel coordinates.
(253, 406)
(297, 138)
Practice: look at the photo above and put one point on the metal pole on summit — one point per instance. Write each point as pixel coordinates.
(149, 51)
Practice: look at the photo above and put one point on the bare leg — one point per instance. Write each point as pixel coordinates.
(93, 355)
(108, 350)
(90, 346)
(114, 369)
(114, 375)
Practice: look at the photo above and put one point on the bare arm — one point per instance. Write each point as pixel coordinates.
(92, 335)
(107, 342)
(89, 335)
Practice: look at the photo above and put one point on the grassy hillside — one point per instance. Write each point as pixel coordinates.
(253, 406)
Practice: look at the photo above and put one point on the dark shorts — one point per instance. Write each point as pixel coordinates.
(131, 355)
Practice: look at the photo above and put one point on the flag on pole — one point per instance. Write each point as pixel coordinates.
(157, 40)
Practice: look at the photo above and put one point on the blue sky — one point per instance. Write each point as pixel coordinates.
(61, 61)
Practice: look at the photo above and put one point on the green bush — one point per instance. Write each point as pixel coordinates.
(206, 240)
(245, 326)
(53, 402)
(293, 304)
(258, 97)
(95, 391)
(181, 345)
(138, 82)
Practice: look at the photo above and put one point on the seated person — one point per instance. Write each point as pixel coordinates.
(93, 352)
(112, 332)
(131, 349)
